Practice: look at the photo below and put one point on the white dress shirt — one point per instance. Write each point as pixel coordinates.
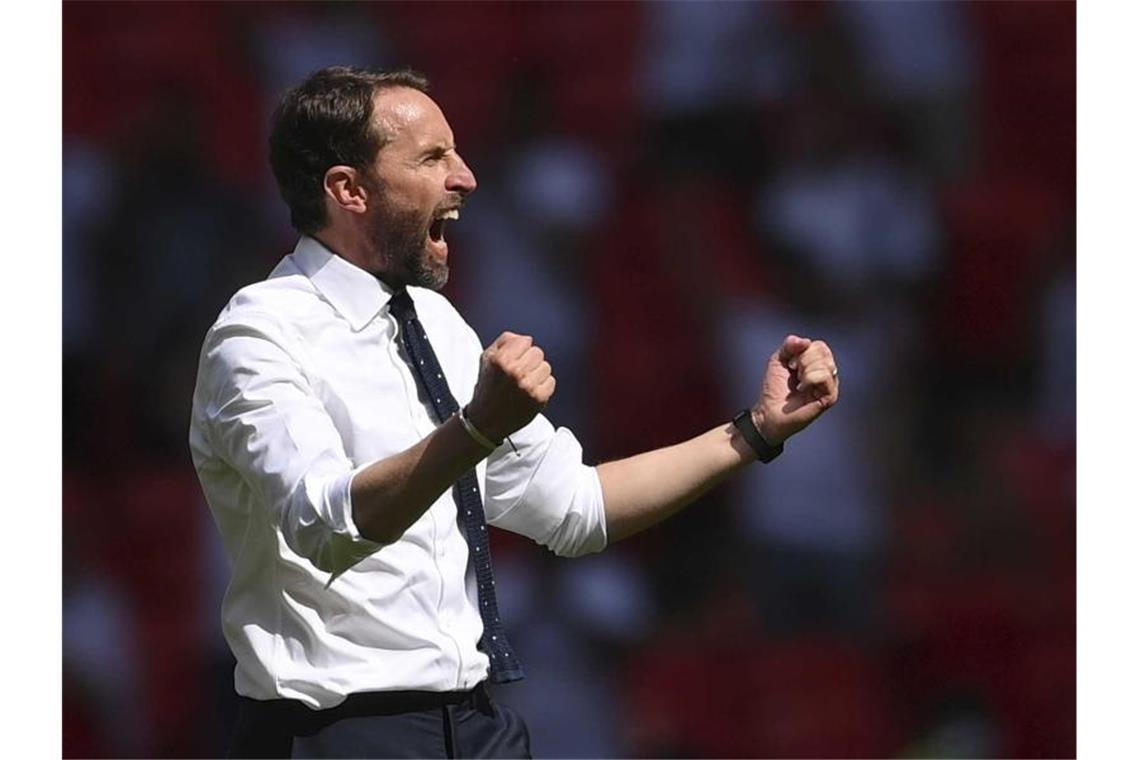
(301, 384)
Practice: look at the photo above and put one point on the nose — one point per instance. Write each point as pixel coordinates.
(461, 179)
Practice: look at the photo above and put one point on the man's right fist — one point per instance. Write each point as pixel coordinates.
(515, 382)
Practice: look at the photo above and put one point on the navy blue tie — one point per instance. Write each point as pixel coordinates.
(505, 666)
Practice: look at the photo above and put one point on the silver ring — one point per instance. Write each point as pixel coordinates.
(835, 373)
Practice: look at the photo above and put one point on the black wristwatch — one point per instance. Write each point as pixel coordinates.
(747, 428)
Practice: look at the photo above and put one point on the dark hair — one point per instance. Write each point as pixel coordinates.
(325, 121)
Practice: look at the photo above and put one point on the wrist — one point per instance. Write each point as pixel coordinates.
(765, 451)
(765, 428)
(478, 417)
(476, 433)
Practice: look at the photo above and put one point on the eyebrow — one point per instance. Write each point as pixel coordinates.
(438, 149)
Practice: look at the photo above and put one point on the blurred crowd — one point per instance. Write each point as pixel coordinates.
(665, 190)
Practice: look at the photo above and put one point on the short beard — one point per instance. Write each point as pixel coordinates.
(398, 238)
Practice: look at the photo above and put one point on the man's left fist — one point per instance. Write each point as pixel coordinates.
(801, 382)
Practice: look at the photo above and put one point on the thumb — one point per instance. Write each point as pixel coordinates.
(792, 347)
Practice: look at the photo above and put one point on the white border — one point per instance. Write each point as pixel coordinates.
(1108, 243)
(30, 381)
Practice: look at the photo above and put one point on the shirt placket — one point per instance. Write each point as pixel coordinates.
(446, 614)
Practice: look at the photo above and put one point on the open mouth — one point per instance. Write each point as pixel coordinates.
(435, 231)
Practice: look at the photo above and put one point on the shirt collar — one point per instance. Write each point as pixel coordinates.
(357, 295)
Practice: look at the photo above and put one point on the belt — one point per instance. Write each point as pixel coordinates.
(301, 720)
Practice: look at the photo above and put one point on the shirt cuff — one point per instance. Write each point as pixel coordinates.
(342, 491)
(351, 551)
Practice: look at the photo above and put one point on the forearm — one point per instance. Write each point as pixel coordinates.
(514, 384)
(391, 494)
(642, 490)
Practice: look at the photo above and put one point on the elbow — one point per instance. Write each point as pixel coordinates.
(328, 551)
(377, 526)
(618, 528)
(382, 535)
(339, 553)
(317, 524)
(575, 537)
(310, 539)
(313, 544)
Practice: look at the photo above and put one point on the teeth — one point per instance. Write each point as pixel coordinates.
(452, 214)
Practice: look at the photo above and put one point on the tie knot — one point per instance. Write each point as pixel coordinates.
(402, 307)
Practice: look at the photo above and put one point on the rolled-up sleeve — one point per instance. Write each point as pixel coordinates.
(546, 492)
(263, 419)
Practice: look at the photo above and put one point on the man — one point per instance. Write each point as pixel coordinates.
(353, 440)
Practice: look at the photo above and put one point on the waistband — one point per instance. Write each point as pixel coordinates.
(303, 720)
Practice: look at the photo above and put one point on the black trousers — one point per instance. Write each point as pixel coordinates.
(382, 724)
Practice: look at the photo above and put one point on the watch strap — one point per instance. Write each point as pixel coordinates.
(764, 452)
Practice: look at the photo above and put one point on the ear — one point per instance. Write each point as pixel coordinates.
(343, 187)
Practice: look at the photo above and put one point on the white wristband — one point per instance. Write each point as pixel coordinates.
(473, 431)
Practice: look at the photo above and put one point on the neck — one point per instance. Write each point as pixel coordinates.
(353, 247)
(349, 246)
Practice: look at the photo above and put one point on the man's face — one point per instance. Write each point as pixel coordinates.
(416, 185)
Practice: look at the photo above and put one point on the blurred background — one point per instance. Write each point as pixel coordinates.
(665, 190)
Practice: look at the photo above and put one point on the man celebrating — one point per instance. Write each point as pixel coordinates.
(353, 440)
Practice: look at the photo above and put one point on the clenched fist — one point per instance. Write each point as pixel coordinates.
(515, 382)
(801, 382)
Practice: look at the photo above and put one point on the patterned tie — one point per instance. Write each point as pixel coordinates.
(505, 666)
